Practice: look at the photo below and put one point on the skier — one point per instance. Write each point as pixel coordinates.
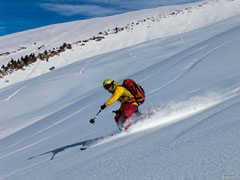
(128, 107)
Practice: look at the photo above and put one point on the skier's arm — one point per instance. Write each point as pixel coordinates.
(116, 95)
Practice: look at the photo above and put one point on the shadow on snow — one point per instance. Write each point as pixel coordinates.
(84, 145)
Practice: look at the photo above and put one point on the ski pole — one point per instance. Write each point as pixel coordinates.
(93, 119)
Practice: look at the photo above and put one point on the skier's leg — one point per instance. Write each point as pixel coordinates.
(118, 121)
(128, 111)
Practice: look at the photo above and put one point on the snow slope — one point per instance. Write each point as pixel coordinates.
(190, 125)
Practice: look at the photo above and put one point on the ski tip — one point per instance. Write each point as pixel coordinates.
(83, 148)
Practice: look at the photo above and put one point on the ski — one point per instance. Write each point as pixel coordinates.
(93, 142)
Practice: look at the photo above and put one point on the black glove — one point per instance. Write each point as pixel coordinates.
(92, 121)
(103, 107)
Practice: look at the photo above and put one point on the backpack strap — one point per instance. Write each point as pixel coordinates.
(129, 100)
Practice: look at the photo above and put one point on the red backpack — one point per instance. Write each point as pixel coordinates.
(136, 90)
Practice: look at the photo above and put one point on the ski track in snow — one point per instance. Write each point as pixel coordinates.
(171, 66)
(47, 128)
(25, 147)
(191, 65)
(13, 94)
(68, 75)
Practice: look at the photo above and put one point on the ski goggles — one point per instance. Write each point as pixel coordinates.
(107, 86)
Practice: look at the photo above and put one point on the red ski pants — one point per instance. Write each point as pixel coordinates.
(127, 112)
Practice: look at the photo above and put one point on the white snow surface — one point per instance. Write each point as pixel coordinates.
(189, 129)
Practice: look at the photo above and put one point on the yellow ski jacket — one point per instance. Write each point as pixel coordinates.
(121, 94)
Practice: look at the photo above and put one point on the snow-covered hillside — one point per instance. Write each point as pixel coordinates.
(190, 123)
(97, 36)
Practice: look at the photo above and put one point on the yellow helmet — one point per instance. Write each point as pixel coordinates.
(107, 82)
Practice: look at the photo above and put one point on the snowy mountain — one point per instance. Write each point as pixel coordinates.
(188, 64)
(100, 35)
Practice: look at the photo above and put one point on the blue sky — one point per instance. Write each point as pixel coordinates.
(20, 15)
